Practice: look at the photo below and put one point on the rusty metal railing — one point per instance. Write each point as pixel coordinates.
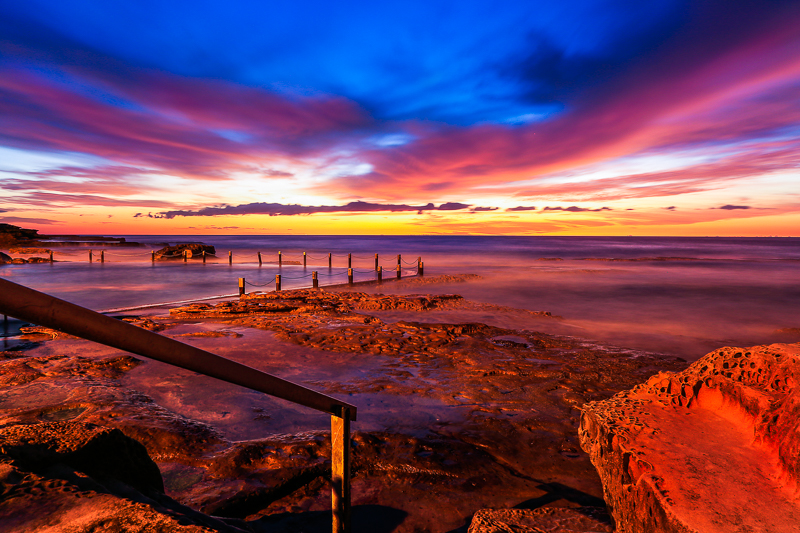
(39, 308)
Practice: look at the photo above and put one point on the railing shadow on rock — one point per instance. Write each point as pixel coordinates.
(45, 310)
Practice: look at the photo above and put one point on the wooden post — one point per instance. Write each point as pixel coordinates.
(259, 258)
(277, 282)
(241, 286)
(340, 471)
(230, 258)
(304, 259)
(102, 256)
(51, 256)
(398, 271)
(330, 261)
(90, 256)
(350, 276)
(314, 280)
(349, 260)
(398, 260)
(421, 269)
(185, 255)
(153, 256)
(280, 259)
(204, 256)
(376, 262)
(380, 274)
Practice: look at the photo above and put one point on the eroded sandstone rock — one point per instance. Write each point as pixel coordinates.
(713, 448)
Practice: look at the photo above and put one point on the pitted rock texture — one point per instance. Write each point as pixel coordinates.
(713, 448)
(542, 520)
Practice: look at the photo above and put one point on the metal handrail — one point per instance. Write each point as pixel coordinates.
(40, 308)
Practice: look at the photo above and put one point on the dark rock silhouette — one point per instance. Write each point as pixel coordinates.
(177, 251)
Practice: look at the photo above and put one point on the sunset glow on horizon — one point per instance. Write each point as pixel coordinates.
(577, 118)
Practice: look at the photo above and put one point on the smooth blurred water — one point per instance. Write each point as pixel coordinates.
(719, 290)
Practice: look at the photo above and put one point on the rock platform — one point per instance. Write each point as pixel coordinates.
(715, 447)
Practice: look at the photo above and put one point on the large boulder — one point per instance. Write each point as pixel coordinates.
(65, 477)
(98, 451)
(713, 448)
(177, 251)
(4, 258)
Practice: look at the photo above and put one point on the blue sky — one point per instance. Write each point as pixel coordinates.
(644, 105)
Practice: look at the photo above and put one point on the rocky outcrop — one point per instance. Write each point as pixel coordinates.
(177, 251)
(4, 258)
(71, 476)
(713, 448)
(98, 451)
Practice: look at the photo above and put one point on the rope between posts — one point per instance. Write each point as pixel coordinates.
(295, 277)
(256, 284)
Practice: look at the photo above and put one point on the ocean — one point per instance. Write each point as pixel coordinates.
(681, 296)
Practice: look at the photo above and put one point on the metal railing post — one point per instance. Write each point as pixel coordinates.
(304, 259)
(314, 280)
(340, 471)
(280, 259)
(349, 260)
(380, 274)
(230, 258)
(241, 286)
(350, 276)
(398, 271)
(330, 260)
(277, 282)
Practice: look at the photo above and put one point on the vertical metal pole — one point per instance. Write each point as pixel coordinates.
(376, 262)
(230, 258)
(241, 286)
(340, 471)
(304, 259)
(314, 280)
(349, 260)
(90, 256)
(350, 276)
(277, 282)
(259, 258)
(380, 274)
(330, 261)
(398, 271)
(280, 259)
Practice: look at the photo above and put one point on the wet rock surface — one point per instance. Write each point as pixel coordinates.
(459, 416)
(715, 447)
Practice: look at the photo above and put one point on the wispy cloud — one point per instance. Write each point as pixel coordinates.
(275, 209)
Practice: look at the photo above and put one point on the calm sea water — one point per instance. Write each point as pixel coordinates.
(699, 293)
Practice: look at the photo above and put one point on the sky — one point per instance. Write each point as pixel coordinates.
(570, 117)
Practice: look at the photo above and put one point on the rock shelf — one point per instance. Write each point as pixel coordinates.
(453, 416)
(713, 448)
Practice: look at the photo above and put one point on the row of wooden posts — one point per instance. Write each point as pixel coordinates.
(350, 282)
(187, 254)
